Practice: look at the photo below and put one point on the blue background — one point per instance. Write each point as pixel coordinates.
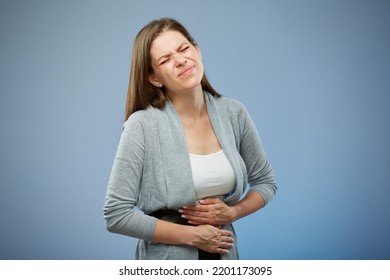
(315, 76)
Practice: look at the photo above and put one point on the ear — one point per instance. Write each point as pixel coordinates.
(153, 80)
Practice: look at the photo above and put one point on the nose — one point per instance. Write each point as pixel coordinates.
(179, 59)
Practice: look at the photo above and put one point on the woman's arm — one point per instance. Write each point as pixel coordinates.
(123, 191)
(215, 212)
(205, 237)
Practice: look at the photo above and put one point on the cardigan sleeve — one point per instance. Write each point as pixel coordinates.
(261, 177)
(123, 187)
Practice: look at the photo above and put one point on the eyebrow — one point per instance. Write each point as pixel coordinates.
(168, 54)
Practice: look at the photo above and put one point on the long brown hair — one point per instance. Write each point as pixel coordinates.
(141, 93)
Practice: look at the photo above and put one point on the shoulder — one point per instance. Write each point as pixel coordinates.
(142, 118)
(231, 105)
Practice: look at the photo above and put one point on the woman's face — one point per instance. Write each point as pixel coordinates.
(176, 63)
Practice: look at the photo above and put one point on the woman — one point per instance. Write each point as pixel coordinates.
(185, 155)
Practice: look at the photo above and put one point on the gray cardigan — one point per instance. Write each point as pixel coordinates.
(152, 171)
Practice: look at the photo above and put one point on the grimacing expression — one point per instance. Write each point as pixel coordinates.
(177, 64)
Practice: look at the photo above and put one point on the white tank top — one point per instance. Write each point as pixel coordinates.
(212, 174)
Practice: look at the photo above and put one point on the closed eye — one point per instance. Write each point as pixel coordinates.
(184, 49)
(165, 60)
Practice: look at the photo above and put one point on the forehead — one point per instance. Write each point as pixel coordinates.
(166, 42)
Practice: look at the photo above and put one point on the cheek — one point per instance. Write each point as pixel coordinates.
(200, 56)
(201, 68)
(165, 75)
(198, 59)
(161, 73)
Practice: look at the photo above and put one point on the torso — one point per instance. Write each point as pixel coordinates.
(200, 136)
(212, 174)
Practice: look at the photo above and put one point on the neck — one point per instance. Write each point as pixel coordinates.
(191, 104)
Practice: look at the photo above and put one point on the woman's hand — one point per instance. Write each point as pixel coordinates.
(209, 211)
(209, 214)
(213, 240)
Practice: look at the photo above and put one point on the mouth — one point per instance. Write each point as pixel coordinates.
(186, 71)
